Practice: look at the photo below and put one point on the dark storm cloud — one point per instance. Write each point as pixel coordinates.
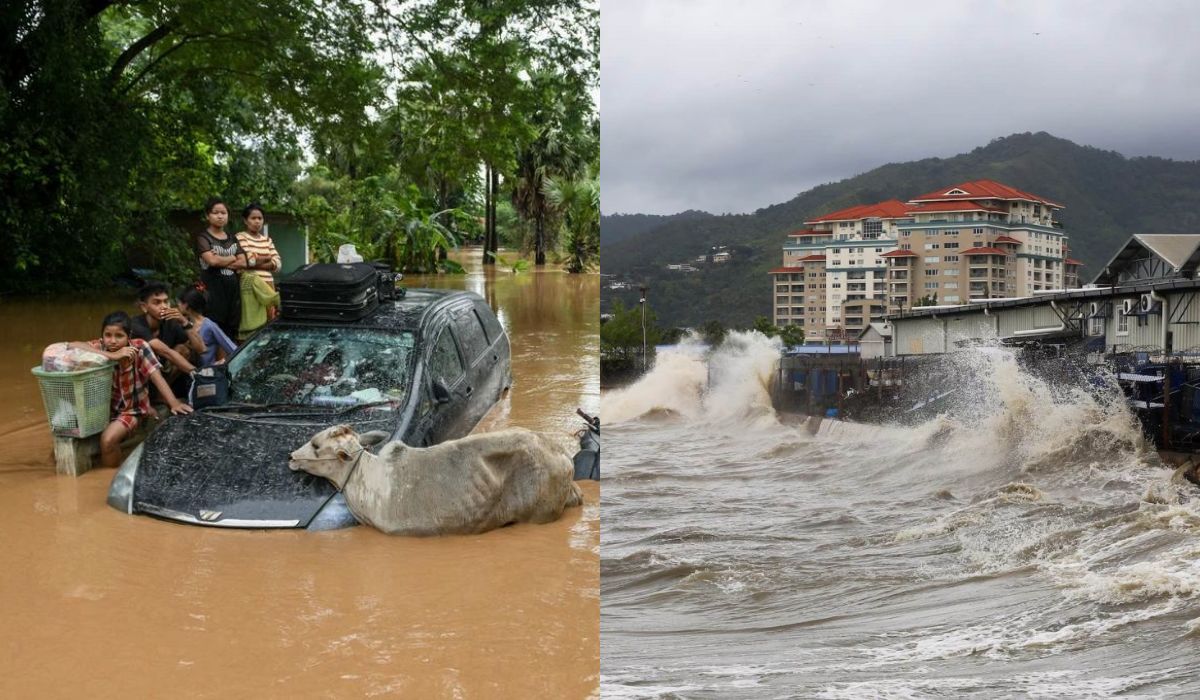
(731, 106)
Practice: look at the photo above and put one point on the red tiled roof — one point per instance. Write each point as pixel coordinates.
(978, 189)
(1072, 261)
(779, 270)
(984, 251)
(900, 254)
(810, 232)
(891, 209)
(813, 258)
(1007, 239)
(927, 207)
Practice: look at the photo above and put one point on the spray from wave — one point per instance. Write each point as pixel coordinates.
(1022, 518)
(695, 382)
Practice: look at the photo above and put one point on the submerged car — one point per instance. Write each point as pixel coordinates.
(424, 368)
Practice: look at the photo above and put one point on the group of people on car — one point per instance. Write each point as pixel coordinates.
(164, 345)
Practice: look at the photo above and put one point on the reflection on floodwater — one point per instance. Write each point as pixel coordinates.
(101, 604)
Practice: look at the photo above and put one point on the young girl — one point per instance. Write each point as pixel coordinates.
(136, 369)
(217, 345)
(220, 259)
(257, 301)
(255, 240)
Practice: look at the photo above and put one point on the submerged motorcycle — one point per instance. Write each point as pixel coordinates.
(587, 459)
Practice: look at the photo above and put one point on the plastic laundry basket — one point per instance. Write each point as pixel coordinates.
(77, 403)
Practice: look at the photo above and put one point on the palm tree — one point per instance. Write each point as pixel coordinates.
(559, 150)
(578, 202)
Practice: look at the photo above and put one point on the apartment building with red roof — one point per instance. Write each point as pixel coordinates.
(975, 240)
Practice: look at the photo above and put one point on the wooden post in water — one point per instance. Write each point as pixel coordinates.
(839, 394)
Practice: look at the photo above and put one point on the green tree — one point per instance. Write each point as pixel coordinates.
(791, 335)
(927, 300)
(713, 332)
(578, 203)
(763, 325)
(115, 112)
(622, 338)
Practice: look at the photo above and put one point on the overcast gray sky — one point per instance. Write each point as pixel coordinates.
(730, 106)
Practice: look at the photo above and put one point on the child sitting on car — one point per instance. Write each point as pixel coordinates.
(137, 368)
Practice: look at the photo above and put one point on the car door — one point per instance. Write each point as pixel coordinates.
(481, 362)
(497, 345)
(450, 418)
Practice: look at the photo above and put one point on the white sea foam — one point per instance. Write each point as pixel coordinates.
(727, 384)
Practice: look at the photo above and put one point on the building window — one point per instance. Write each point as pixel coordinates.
(905, 234)
(1096, 326)
(950, 233)
(931, 259)
(950, 298)
(906, 246)
(977, 231)
(951, 244)
(931, 273)
(843, 224)
(931, 285)
(872, 227)
(835, 251)
(1122, 322)
(949, 285)
(950, 271)
(950, 258)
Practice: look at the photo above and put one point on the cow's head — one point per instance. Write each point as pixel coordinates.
(331, 452)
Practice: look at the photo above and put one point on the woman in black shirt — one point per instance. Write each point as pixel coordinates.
(220, 260)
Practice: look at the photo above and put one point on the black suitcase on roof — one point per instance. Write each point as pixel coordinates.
(330, 292)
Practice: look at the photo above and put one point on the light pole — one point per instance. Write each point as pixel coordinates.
(642, 302)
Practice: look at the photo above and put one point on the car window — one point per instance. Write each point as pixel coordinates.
(332, 366)
(470, 334)
(488, 336)
(445, 363)
(490, 323)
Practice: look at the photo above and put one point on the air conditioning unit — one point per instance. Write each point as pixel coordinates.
(1100, 309)
(1148, 305)
(1127, 307)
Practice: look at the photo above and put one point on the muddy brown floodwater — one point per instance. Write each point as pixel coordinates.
(101, 604)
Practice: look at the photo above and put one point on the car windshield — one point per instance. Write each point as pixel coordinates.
(322, 366)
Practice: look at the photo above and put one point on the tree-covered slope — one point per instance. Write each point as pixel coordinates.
(1107, 196)
(615, 228)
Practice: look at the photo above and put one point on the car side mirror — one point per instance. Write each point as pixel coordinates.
(441, 392)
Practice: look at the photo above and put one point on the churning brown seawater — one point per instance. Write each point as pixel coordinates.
(96, 603)
(1022, 544)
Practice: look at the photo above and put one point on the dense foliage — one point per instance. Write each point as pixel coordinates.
(373, 121)
(624, 335)
(1108, 198)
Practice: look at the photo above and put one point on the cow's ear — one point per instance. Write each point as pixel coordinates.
(343, 455)
(374, 437)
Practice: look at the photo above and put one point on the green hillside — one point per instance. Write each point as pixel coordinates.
(615, 228)
(1108, 197)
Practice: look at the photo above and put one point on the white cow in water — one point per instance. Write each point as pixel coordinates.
(462, 486)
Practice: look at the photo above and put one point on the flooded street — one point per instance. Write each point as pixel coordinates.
(102, 604)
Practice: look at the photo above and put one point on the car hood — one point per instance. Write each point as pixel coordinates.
(214, 469)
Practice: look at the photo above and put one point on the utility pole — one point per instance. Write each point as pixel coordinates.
(642, 302)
